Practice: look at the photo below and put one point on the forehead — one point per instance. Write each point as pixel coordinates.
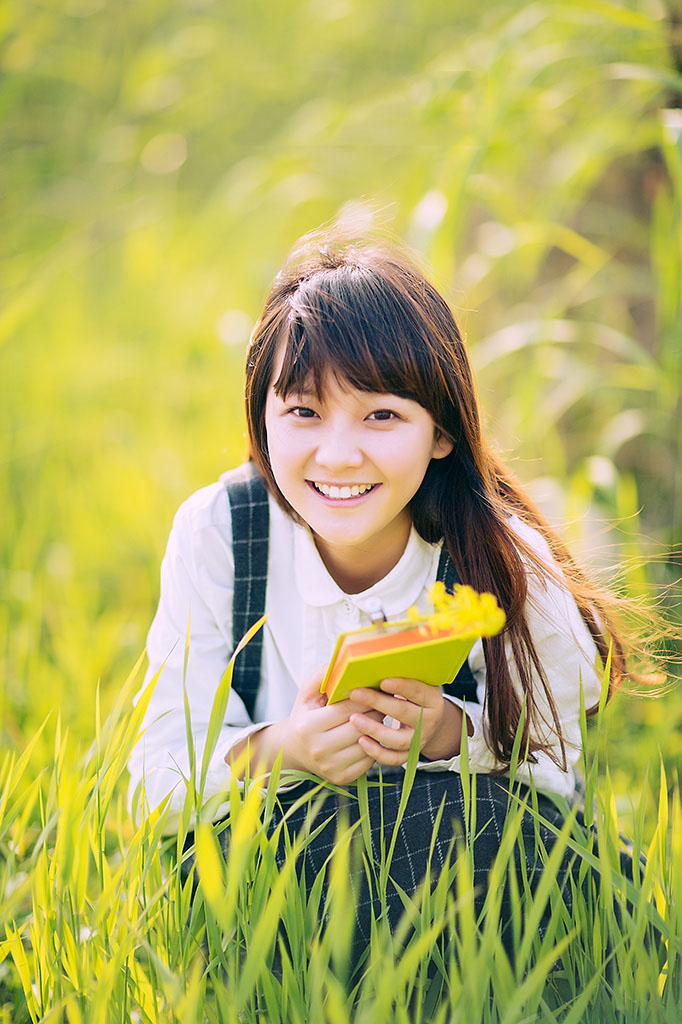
(301, 368)
(332, 390)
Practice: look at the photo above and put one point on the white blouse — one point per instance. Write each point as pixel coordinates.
(306, 610)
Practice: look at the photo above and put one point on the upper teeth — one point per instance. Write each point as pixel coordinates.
(332, 491)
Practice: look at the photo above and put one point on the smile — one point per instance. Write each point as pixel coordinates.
(343, 492)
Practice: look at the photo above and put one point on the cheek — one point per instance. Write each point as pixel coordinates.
(416, 454)
(282, 453)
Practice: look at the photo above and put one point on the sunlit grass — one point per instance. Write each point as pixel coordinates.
(100, 925)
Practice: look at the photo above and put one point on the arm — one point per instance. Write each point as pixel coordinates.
(196, 587)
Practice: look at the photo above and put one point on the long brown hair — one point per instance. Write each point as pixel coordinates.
(364, 312)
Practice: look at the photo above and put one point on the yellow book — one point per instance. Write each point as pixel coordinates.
(431, 647)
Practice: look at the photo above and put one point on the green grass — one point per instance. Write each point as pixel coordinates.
(99, 925)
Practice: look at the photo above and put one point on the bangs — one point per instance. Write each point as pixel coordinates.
(354, 325)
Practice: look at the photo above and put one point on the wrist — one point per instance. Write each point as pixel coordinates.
(259, 750)
(273, 744)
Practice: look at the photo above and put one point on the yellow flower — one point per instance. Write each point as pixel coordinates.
(464, 612)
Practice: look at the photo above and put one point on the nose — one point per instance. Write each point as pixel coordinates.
(338, 449)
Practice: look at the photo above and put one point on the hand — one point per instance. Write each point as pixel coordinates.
(320, 737)
(405, 700)
(315, 737)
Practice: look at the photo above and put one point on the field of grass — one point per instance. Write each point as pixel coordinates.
(101, 925)
(161, 158)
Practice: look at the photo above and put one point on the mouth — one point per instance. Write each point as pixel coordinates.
(342, 492)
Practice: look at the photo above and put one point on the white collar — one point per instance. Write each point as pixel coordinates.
(399, 589)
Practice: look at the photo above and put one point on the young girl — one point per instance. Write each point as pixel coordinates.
(369, 478)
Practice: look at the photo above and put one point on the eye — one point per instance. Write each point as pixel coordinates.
(383, 415)
(302, 412)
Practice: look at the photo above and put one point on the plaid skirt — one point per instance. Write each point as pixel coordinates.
(426, 838)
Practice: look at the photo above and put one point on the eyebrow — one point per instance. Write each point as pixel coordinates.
(295, 393)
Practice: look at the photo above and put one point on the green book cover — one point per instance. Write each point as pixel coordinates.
(365, 657)
(431, 648)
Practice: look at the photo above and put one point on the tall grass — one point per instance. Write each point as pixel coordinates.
(100, 923)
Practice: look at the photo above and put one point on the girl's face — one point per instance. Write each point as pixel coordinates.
(349, 465)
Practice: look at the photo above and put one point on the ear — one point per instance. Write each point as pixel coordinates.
(442, 445)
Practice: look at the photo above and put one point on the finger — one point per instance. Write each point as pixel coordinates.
(343, 737)
(352, 773)
(313, 701)
(346, 759)
(329, 743)
(404, 711)
(333, 715)
(361, 763)
(413, 690)
(392, 739)
(344, 764)
(380, 753)
(309, 691)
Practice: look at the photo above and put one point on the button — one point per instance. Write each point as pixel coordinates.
(348, 607)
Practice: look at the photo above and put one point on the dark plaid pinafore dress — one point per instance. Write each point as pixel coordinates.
(416, 845)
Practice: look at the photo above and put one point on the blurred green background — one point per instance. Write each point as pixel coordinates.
(159, 158)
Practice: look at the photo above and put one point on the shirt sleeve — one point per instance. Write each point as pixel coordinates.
(197, 586)
(568, 655)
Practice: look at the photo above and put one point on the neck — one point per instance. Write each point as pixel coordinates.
(357, 568)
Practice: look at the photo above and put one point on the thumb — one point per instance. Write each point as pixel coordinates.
(310, 689)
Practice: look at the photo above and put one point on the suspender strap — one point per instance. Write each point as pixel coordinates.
(248, 499)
